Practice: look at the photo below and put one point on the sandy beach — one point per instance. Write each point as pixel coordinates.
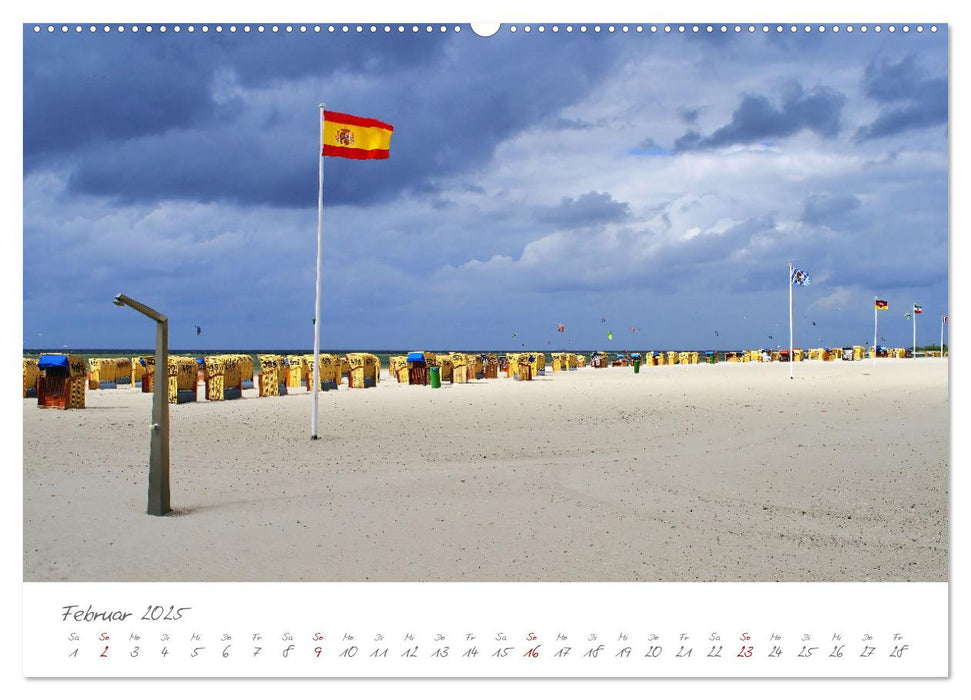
(729, 472)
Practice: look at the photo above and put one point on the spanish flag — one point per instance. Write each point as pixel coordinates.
(881, 305)
(347, 136)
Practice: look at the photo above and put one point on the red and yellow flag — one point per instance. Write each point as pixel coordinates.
(881, 305)
(361, 138)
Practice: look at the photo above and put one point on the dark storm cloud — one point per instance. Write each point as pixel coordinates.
(588, 209)
(689, 115)
(194, 166)
(87, 87)
(158, 132)
(826, 208)
(756, 118)
(263, 59)
(912, 99)
(886, 81)
(79, 90)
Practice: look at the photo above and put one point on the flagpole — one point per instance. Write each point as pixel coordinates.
(942, 337)
(874, 330)
(320, 238)
(914, 348)
(791, 354)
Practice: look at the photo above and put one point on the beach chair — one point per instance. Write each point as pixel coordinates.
(137, 371)
(398, 366)
(61, 381)
(490, 366)
(272, 378)
(183, 375)
(362, 370)
(418, 367)
(461, 369)
(246, 370)
(101, 373)
(122, 371)
(476, 365)
(223, 377)
(148, 373)
(446, 368)
(328, 372)
(296, 371)
(520, 366)
(31, 373)
(539, 364)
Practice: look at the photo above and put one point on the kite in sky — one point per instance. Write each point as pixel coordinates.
(198, 330)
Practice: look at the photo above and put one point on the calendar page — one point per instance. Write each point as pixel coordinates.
(382, 348)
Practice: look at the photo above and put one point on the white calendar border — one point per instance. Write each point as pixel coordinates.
(741, 10)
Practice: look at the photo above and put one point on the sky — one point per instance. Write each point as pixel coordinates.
(655, 186)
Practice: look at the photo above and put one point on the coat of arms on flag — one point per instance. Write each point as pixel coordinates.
(917, 309)
(799, 277)
(360, 138)
(881, 304)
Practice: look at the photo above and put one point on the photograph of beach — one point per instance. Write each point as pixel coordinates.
(550, 305)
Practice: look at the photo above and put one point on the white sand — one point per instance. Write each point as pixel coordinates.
(729, 472)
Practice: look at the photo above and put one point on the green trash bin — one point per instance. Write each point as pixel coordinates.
(637, 365)
(435, 377)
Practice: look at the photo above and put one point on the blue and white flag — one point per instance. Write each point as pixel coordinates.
(799, 277)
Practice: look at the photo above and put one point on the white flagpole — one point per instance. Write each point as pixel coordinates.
(320, 238)
(942, 336)
(874, 330)
(914, 316)
(791, 354)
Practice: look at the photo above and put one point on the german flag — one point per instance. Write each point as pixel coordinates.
(881, 305)
(360, 138)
